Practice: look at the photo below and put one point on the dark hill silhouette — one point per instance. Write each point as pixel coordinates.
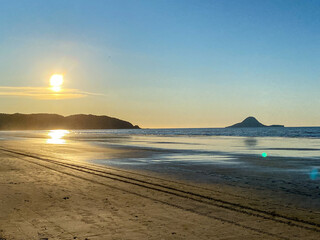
(251, 122)
(45, 121)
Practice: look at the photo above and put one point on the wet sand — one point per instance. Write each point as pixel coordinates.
(54, 197)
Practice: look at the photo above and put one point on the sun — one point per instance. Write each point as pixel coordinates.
(56, 81)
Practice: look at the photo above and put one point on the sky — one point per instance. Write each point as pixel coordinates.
(164, 63)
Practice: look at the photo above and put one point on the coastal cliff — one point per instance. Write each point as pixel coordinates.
(44, 121)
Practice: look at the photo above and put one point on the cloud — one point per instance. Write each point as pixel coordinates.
(43, 93)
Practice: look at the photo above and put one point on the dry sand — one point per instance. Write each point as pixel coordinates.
(50, 198)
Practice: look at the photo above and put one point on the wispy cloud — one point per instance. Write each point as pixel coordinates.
(43, 93)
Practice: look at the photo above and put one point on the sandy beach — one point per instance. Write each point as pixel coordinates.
(159, 120)
(49, 197)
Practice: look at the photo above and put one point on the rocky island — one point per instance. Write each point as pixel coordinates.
(45, 121)
(251, 122)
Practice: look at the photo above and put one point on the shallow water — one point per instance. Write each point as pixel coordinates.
(231, 148)
(191, 141)
(289, 171)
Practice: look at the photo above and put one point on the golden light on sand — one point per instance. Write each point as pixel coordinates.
(56, 81)
(56, 136)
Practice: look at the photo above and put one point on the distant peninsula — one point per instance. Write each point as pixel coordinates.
(44, 121)
(251, 122)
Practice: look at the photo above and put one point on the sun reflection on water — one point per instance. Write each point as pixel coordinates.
(56, 136)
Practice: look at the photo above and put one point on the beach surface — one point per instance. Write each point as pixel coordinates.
(51, 191)
(44, 198)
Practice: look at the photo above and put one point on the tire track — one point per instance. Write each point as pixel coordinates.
(155, 199)
(307, 225)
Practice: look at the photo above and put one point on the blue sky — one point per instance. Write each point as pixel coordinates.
(165, 63)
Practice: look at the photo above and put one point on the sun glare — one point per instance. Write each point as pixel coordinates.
(56, 81)
(56, 136)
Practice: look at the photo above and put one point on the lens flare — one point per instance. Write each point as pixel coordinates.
(314, 174)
